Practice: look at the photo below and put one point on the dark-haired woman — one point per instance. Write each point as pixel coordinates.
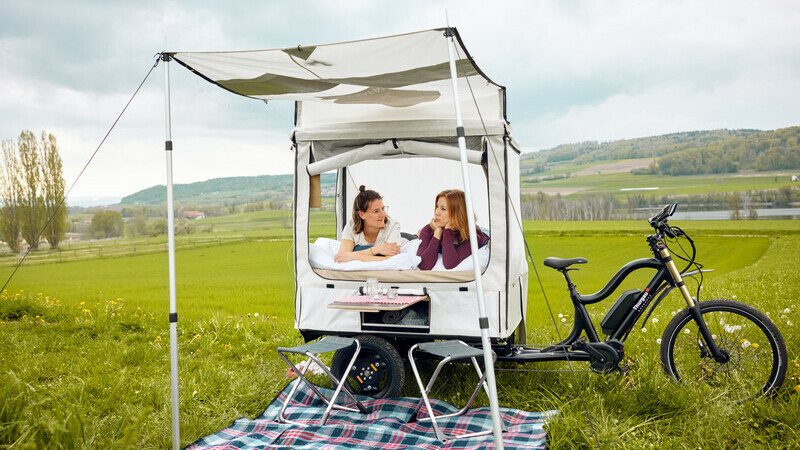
(448, 232)
(371, 235)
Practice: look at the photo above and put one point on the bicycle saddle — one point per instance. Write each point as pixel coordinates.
(563, 263)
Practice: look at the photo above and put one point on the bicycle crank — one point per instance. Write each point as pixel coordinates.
(604, 357)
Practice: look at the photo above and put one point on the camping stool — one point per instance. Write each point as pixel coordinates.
(448, 351)
(312, 350)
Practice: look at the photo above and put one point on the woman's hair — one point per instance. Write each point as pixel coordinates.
(457, 208)
(361, 203)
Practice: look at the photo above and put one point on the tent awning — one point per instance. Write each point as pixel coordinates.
(402, 77)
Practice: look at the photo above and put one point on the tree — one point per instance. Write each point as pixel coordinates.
(53, 187)
(140, 222)
(735, 203)
(157, 227)
(10, 191)
(31, 201)
(106, 224)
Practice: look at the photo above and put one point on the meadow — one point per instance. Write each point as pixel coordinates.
(85, 351)
(612, 183)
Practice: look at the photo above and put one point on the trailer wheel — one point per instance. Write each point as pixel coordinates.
(378, 372)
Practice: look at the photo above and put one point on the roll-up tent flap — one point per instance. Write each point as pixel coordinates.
(401, 129)
(388, 149)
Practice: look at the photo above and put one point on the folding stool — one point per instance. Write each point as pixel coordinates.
(312, 350)
(448, 351)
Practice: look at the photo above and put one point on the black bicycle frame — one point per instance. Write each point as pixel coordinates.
(666, 278)
(582, 320)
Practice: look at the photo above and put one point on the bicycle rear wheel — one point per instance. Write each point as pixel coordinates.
(757, 360)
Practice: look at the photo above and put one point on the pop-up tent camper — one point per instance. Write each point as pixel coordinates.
(380, 113)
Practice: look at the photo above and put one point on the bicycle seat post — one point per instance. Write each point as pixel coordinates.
(573, 292)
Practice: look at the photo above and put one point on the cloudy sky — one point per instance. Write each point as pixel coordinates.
(574, 71)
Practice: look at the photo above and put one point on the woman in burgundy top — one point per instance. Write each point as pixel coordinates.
(448, 232)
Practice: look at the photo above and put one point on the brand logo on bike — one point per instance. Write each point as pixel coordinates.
(642, 301)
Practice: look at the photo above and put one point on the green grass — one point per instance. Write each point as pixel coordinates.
(211, 232)
(92, 370)
(274, 224)
(640, 228)
(667, 185)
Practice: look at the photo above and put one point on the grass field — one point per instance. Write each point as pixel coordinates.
(85, 360)
(667, 185)
(215, 231)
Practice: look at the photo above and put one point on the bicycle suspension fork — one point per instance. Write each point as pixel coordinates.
(694, 307)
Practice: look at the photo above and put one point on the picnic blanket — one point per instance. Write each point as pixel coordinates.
(386, 426)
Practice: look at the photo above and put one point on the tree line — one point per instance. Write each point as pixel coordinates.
(646, 147)
(774, 150)
(32, 190)
(687, 153)
(228, 192)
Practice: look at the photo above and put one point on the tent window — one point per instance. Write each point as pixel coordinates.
(322, 215)
(408, 186)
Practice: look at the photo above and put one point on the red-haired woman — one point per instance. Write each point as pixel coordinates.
(448, 232)
(371, 235)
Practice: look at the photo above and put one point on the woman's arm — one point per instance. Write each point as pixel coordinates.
(346, 253)
(428, 248)
(452, 255)
(388, 242)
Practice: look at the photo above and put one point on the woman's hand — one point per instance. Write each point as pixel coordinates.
(343, 257)
(386, 249)
(437, 230)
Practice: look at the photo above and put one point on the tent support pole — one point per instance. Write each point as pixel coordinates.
(488, 360)
(173, 314)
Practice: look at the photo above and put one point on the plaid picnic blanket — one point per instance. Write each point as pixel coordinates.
(386, 426)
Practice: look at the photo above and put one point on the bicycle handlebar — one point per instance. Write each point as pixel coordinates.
(659, 221)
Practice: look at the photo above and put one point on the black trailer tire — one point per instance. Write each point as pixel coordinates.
(378, 372)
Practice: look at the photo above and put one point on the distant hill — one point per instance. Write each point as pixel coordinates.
(224, 191)
(687, 153)
(646, 147)
(768, 150)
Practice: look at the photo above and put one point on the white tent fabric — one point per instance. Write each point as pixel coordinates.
(395, 78)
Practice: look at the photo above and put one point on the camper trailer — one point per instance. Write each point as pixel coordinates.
(379, 113)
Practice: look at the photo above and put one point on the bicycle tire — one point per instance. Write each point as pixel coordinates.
(757, 353)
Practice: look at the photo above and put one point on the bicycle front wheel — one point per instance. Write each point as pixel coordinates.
(754, 348)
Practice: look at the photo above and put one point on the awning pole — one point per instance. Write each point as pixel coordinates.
(173, 314)
(488, 360)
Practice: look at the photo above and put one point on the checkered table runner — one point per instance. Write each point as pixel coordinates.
(384, 300)
(384, 427)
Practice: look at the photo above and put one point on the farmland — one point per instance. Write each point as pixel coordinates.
(85, 341)
(602, 183)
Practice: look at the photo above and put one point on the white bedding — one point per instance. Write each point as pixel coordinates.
(322, 251)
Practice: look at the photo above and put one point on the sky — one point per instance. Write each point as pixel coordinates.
(574, 71)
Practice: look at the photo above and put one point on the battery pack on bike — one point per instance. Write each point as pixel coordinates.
(619, 310)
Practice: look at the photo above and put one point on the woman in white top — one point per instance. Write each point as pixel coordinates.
(371, 235)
